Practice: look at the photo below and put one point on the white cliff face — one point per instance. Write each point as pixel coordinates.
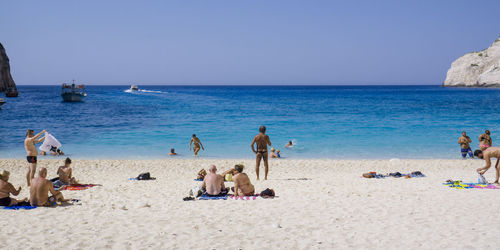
(476, 69)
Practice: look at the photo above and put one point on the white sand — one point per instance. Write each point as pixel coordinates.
(335, 209)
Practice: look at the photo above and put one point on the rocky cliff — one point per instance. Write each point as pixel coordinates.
(476, 69)
(6, 80)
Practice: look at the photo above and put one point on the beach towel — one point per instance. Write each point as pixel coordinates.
(76, 187)
(26, 207)
(461, 185)
(204, 197)
(49, 142)
(246, 198)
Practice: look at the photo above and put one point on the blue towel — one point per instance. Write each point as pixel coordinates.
(132, 179)
(19, 207)
(203, 197)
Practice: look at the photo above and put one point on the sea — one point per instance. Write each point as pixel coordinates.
(335, 122)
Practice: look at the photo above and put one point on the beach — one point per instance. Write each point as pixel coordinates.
(332, 208)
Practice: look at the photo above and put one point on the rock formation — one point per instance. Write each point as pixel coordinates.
(476, 69)
(6, 80)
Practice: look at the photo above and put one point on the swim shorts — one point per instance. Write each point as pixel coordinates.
(31, 159)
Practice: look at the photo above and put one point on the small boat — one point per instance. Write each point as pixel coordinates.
(11, 92)
(1, 102)
(73, 93)
(134, 87)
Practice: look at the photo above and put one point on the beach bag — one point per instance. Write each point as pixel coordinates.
(481, 179)
(144, 176)
(268, 193)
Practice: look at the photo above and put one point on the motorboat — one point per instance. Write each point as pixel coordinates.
(134, 88)
(2, 101)
(11, 92)
(73, 92)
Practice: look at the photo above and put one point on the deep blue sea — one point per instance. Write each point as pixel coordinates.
(376, 122)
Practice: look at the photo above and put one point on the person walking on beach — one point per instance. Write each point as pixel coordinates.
(196, 144)
(485, 140)
(486, 155)
(464, 142)
(262, 140)
(31, 152)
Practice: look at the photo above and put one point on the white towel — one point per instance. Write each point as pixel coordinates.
(49, 142)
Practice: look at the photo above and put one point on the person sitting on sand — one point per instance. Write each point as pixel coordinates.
(486, 155)
(172, 152)
(242, 184)
(65, 173)
(6, 188)
(196, 144)
(464, 141)
(273, 153)
(485, 140)
(289, 144)
(213, 183)
(40, 187)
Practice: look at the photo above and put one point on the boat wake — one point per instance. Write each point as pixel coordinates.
(144, 91)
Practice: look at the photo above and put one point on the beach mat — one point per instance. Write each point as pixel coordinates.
(204, 197)
(76, 187)
(26, 207)
(245, 198)
(461, 185)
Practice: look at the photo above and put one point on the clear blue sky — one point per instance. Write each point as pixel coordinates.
(243, 42)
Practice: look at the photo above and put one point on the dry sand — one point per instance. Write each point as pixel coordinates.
(334, 209)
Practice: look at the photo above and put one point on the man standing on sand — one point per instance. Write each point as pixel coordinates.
(196, 144)
(464, 141)
(31, 152)
(485, 140)
(242, 184)
(40, 188)
(262, 140)
(486, 155)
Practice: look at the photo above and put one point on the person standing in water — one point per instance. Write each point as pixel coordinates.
(31, 152)
(485, 140)
(262, 140)
(464, 142)
(195, 141)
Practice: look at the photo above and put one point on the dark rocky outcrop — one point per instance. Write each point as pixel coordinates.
(6, 80)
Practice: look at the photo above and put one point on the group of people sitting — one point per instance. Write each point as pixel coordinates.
(39, 189)
(213, 183)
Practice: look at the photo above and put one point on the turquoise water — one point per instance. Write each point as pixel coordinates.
(324, 121)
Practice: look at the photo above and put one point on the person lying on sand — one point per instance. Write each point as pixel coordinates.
(486, 155)
(40, 187)
(214, 183)
(6, 188)
(242, 184)
(66, 173)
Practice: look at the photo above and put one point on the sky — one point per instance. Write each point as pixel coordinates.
(243, 42)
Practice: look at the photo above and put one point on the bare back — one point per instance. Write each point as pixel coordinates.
(29, 146)
(65, 174)
(262, 140)
(39, 190)
(213, 183)
(492, 152)
(242, 184)
(6, 189)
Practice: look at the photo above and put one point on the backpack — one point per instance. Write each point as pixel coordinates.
(144, 176)
(268, 193)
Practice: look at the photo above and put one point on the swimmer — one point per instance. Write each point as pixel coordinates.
(172, 152)
(289, 144)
